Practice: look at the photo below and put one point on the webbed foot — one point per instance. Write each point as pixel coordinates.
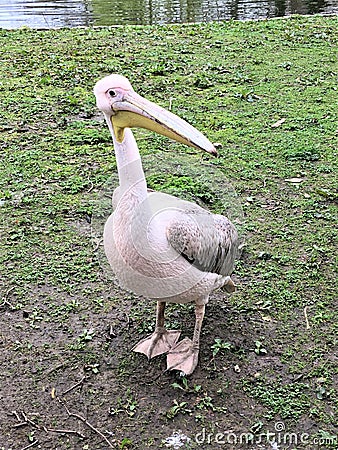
(161, 341)
(183, 357)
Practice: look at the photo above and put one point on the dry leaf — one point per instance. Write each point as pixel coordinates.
(278, 123)
(294, 180)
(266, 318)
(52, 394)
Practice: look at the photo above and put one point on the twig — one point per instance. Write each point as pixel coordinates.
(7, 293)
(54, 369)
(4, 299)
(91, 187)
(111, 333)
(30, 445)
(6, 302)
(14, 413)
(20, 424)
(98, 244)
(29, 421)
(306, 318)
(85, 421)
(54, 430)
(79, 383)
(26, 421)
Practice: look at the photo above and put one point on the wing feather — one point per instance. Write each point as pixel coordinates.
(208, 241)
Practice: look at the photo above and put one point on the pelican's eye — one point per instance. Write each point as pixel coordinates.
(112, 93)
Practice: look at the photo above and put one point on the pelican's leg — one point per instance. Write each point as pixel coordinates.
(184, 356)
(162, 340)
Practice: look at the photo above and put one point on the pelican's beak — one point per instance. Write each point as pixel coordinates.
(134, 111)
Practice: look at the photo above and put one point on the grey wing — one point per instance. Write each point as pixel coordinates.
(208, 241)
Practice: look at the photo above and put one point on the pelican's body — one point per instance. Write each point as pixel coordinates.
(158, 246)
(172, 278)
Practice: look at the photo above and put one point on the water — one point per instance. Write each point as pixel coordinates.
(73, 13)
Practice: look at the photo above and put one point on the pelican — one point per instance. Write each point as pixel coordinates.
(163, 248)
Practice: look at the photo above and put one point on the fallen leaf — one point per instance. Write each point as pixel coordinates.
(278, 123)
(321, 380)
(53, 393)
(294, 180)
(266, 318)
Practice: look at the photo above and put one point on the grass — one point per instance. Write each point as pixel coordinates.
(267, 92)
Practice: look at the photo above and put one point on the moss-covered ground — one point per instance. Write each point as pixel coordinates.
(267, 92)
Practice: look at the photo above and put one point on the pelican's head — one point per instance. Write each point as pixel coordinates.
(123, 108)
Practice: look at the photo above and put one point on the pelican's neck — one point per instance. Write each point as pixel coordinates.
(129, 165)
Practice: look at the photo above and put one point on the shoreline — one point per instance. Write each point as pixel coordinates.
(289, 17)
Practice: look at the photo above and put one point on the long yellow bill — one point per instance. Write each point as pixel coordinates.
(135, 111)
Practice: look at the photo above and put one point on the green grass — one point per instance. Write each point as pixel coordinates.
(235, 82)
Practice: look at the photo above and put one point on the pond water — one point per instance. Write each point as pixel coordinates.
(72, 13)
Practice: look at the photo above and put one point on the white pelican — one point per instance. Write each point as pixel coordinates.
(158, 246)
